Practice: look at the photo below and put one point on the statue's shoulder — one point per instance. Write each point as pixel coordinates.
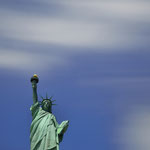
(35, 106)
(53, 116)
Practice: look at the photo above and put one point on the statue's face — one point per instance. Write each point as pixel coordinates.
(47, 106)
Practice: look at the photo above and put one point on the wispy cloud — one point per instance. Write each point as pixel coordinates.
(133, 132)
(79, 25)
(27, 61)
(47, 30)
(82, 24)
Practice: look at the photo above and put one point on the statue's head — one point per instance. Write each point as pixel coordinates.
(47, 104)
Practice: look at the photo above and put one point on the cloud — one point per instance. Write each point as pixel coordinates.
(77, 26)
(28, 61)
(126, 80)
(47, 30)
(81, 24)
(133, 131)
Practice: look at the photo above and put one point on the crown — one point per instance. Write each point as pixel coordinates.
(49, 99)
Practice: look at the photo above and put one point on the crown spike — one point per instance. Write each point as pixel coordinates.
(51, 97)
(42, 97)
(53, 100)
(54, 104)
(46, 96)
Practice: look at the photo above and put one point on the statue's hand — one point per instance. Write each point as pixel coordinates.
(34, 79)
(63, 127)
(66, 126)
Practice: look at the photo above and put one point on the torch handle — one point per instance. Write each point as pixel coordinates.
(34, 81)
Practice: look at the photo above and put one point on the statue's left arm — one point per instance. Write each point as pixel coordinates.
(61, 129)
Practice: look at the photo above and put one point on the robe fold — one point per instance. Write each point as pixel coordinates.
(43, 131)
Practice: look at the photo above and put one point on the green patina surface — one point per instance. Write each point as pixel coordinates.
(45, 132)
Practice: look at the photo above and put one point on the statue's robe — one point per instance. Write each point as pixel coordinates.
(43, 131)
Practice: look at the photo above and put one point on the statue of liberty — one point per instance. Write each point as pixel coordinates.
(45, 132)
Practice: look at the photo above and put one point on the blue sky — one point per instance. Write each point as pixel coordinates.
(92, 55)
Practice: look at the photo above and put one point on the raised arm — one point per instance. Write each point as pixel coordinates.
(34, 81)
